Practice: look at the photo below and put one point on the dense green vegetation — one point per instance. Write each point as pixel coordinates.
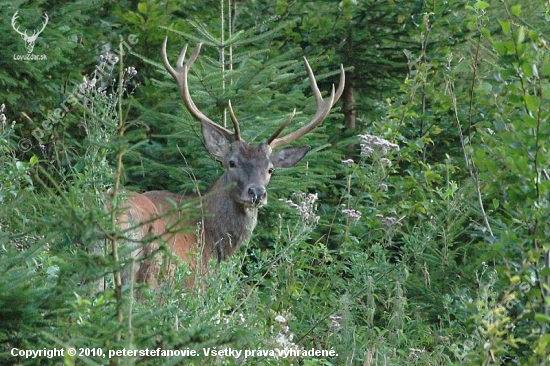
(415, 231)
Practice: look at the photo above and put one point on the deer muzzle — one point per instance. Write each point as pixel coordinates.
(257, 195)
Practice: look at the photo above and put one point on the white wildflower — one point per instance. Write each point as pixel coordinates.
(382, 187)
(366, 150)
(347, 162)
(335, 319)
(280, 319)
(415, 353)
(391, 221)
(370, 143)
(306, 206)
(131, 71)
(352, 214)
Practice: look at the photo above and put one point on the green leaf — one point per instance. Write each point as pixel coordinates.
(542, 345)
(515, 10)
(142, 8)
(486, 87)
(500, 48)
(486, 32)
(527, 69)
(534, 35)
(532, 102)
(530, 121)
(520, 35)
(505, 26)
(542, 318)
(520, 49)
(479, 153)
(281, 6)
(481, 5)
(511, 48)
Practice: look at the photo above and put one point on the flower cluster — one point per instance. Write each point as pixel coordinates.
(102, 77)
(352, 214)
(306, 206)
(335, 322)
(3, 118)
(94, 89)
(416, 354)
(383, 187)
(2, 115)
(348, 162)
(370, 144)
(386, 161)
(389, 220)
(284, 336)
(99, 94)
(108, 58)
(131, 71)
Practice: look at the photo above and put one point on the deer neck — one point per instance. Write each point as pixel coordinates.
(227, 224)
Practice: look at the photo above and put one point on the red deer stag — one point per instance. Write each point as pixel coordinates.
(231, 204)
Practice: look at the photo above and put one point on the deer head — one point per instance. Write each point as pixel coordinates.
(29, 40)
(249, 168)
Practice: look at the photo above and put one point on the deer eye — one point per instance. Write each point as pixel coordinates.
(232, 164)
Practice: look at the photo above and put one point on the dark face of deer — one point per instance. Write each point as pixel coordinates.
(249, 168)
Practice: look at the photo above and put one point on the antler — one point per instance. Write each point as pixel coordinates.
(323, 109)
(35, 33)
(45, 23)
(323, 106)
(13, 20)
(180, 75)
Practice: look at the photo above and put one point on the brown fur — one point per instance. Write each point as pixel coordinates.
(229, 209)
(221, 222)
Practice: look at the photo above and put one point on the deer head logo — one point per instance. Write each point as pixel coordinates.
(29, 40)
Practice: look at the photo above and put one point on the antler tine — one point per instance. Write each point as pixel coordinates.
(180, 76)
(45, 23)
(323, 109)
(165, 61)
(235, 121)
(281, 128)
(13, 20)
(341, 85)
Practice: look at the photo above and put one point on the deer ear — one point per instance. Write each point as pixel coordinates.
(215, 142)
(289, 157)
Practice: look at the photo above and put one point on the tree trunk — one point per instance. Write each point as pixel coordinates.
(349, 103)
(349, 92)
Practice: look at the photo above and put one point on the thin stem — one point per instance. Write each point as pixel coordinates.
(230, 30)
(222, 54)
(472, 169)
(473, 84)
(117, 186)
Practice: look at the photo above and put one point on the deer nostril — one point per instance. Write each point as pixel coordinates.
(257, 194)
